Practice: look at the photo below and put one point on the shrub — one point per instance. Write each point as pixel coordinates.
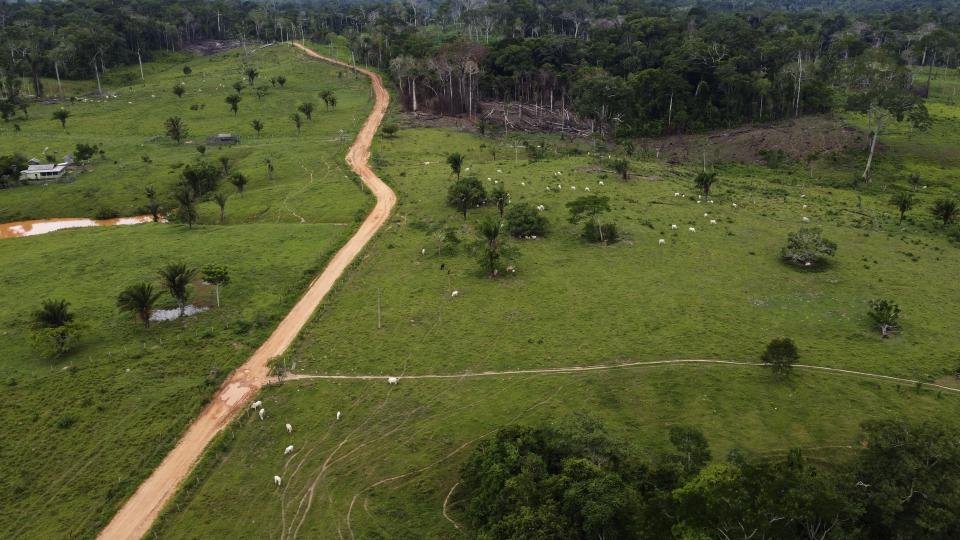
(807, 247)
(523, 219)
(780, 355)
(609, 230)
(885, 314)
(466, 193)
(106, 212)
(390, 130)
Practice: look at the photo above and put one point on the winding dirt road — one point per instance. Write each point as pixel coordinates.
(139, 512)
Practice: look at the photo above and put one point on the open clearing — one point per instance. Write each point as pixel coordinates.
(386, 468)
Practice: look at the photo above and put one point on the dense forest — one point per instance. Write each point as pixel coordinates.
(632, 67)
(575, 481)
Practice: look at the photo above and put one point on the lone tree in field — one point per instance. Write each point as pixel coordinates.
(257, 126)
(523, 219)
(328, 96)
(492, 248)
(945, 210)
(780, 355)
(238, 86)
(307, 110)
(455, 160)
(261, 92)
(221, 200)
(201, 177)
(251, 75)
(179, 89)
(297, 121)
(589, 209)
(139, 300)
(807, 247)
(61, 115)
(903, 201)
(886, 315)
(54, 327)
(234, 102)
(466, 193)
(217, 275)
(281, 80)
(622, 167)
(175, 129)
(176, 278)
(186, 206)
(501, 198)
(239, 181)
(704, 181)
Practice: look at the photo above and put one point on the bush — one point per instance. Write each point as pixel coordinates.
(609, 230)
(466, 193)
(389, 130)
(523, 219)
(106, 213)
(807, 247)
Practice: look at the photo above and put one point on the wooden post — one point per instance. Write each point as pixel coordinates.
(379, 324)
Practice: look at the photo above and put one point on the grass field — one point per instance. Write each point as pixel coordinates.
(721, 292)
(81, 431)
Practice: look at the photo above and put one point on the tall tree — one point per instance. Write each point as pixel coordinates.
(176, 278)
(139, 299)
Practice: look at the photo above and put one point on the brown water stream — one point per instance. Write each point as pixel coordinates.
(44, 226)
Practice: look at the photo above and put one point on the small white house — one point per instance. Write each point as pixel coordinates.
(45, 172)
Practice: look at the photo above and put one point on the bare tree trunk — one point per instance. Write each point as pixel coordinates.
(140, 60)
(873, 147)
(799, 81)
(57, 71)
(670, 112)
(97, 73)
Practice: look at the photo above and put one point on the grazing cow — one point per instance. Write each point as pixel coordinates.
(277, 480)
(676, 193)
(455, 294)
(713, 222)
(393, 380)
(256, 404)
(806, 219)
(289, 428)
(338, 415)
(601, 183)
(586, 189)
(691, 229)
(423, 251)
(662, 242)
(705, 214)
(674, 226)
(261, 412)
(288, 449)
(734, 205)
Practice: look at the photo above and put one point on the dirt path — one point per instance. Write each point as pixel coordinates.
(139, 512)
(605, 367)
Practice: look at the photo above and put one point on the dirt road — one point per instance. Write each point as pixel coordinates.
(139, 512)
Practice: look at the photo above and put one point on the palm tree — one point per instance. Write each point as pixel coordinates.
(61, 115)
(489, 230)
(281, 80)
(239, 181)
(622, 167)
(325, 96)
(257, 126)
(903, 201)
(187, 209)
(221, 200)
(238, 86)
(251, 75)
(501, 198)
(705, 181)
(945, 210)
(54, 323)
(234, 101)
(307, 110)
(175, 278)
(139, 299)
(224, 163)
(455, 160)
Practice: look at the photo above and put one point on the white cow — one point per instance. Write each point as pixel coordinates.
(393, 380)
(256, 404)
(423, 251)
(455, 294)
(261, 412)
(289, 428)
(713, 222)
(338, 415)
(662, 241)
(806, 219)
(288, 449)
(691, 229)
(277, 480)
(674, 226)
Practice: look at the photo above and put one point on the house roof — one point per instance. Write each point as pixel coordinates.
(47, 167)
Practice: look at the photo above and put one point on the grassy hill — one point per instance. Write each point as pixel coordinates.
(81, 431)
